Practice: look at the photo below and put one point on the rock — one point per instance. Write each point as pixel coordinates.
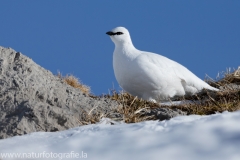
(33, 99)
(165, 113)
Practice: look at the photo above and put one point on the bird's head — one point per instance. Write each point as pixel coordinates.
(120, 36)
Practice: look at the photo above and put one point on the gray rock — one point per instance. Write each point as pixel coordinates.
(33, 99)
(165, 113)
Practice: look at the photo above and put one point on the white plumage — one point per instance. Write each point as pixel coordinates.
(148, 75)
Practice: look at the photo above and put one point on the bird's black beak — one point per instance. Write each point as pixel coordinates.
(110, 33)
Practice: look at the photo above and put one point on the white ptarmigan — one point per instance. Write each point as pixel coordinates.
(148, 75)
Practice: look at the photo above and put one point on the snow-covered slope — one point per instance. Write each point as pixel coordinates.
(186, 138)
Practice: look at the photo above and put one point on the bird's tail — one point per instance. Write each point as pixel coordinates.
(212, 88)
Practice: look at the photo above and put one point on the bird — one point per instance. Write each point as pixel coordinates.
(150, 76)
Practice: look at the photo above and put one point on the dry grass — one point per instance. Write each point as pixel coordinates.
(132, 107)
(75, 82)
(225, 77)
(90, 118)
(208, 102)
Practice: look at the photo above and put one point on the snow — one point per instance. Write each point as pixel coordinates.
(150, 76)
(186, 137)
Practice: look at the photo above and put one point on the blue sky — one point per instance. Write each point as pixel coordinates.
(69, 36)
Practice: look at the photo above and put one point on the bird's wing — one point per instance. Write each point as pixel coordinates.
(173, 69)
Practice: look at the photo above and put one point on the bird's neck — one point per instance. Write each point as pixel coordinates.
(126, 50)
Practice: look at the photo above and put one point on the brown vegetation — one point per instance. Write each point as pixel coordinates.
(75, 82)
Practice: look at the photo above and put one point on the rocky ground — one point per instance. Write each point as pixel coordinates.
(32, 99)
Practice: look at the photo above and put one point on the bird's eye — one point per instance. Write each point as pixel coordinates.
(118, 33)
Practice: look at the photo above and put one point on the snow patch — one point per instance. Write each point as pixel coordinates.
(186, 137)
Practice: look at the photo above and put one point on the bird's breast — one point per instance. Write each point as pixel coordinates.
(122, 67)
(131, 75)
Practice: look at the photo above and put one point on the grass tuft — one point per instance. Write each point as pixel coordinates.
(132, 107)
(225, 78)
(75, 82)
